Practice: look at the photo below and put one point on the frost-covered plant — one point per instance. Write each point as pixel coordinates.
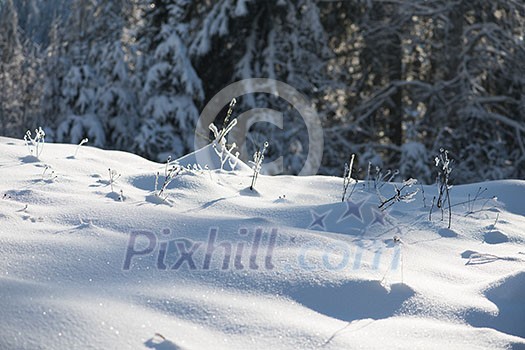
(368, 171)
(380, 179)
(233, 161)
(225, 154)
(233, 102)
(258, 158)
(399, 195)
(220, 143)
(170, 173)
(443, 164)
(423, 194)
(194, 168)
(347, 177)
(113, 176)
(84, 140)
(48, 176)
(471, 201)
(35, 145)
(227, 126)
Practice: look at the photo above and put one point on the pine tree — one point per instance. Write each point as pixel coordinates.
(78, 105)
(171, 87)
(282, 40)
(11, 61)
(116, 99)
(115, 96)
(96, 93)
(32, 85)
(52, 70)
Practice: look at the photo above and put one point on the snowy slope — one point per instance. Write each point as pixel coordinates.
(329, 274)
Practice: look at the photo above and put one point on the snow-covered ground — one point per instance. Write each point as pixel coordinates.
(217, 266)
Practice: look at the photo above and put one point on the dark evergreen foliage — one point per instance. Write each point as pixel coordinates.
(392, 81)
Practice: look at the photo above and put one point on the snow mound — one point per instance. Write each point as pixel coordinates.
(354, 300)
(508, 295)
(207, 156)
(86, 261)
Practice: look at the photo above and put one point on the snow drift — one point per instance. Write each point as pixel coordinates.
(218, 266)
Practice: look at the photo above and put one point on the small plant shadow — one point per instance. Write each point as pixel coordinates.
(475, 258)
(212, 202)
(447, 233)
(250, 193)
(100, 183)
(158, 342)
(495, 237)
(281, 200)
(115, 196)
(29, 159)
(42, 181)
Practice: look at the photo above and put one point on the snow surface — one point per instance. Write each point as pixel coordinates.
(339, 279)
